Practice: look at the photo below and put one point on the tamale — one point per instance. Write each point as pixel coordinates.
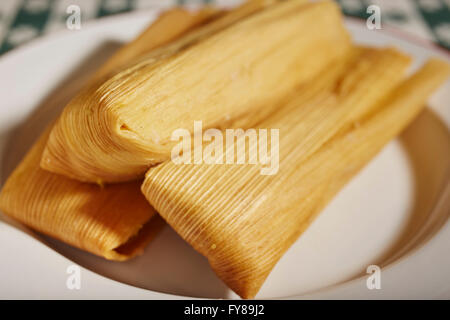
(115, 129)
(173, 23)
(115, 222)
(243, 221)
(92, 218)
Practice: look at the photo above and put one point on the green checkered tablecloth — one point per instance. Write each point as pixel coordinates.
(23, 20)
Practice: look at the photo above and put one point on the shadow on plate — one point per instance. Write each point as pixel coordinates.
(427, 143)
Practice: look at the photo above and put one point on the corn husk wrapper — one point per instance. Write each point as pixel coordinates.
(242, 221)
(99, 220)
(115, 222)
(114, 130)
(173, 24)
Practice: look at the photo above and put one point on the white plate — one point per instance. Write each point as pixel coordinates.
(393, 214)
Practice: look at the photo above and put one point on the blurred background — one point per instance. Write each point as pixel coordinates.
(24, 20)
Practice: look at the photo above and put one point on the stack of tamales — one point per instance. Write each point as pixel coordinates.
(93, 178)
